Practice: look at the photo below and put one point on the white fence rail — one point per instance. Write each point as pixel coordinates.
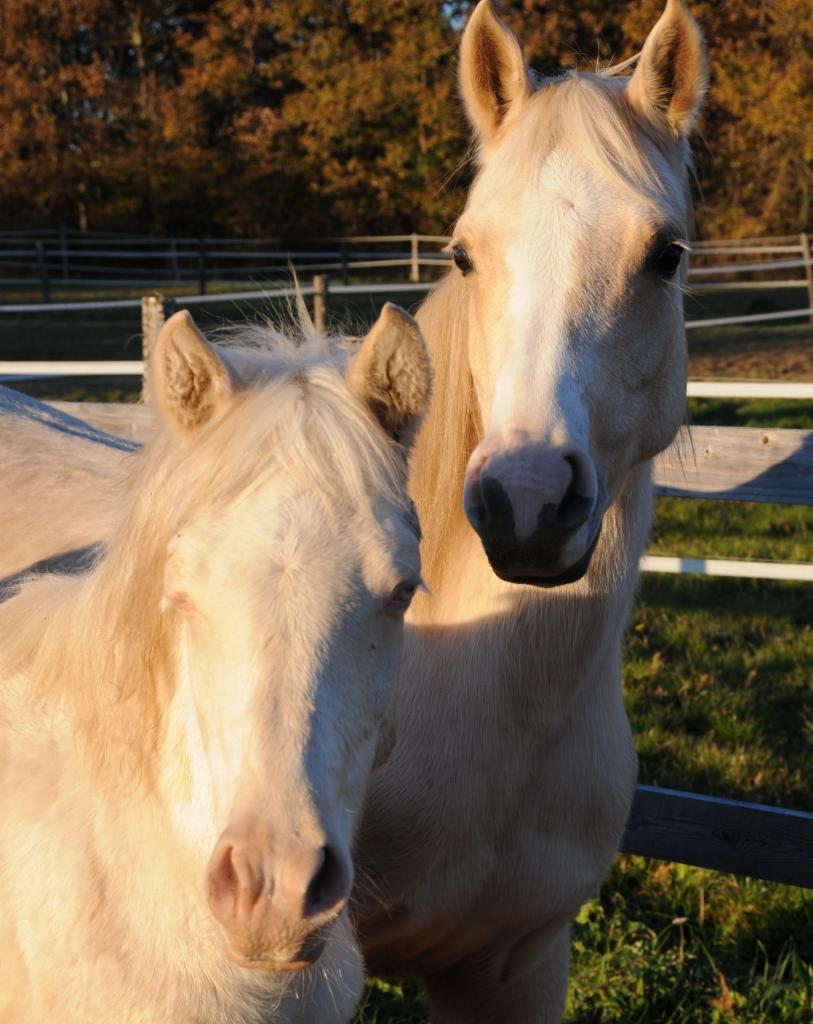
(739, 569)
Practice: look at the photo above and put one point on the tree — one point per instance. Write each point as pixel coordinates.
(327, 117)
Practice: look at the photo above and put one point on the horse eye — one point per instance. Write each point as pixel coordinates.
(668, 259)
(461, 260)
(401, 598)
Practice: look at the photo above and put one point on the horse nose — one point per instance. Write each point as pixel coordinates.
(531, 490)
(262, 897)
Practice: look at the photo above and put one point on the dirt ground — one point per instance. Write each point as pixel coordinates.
(770, 352)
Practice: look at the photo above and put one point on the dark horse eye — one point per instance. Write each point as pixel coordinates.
(668, 259)
(461, 260)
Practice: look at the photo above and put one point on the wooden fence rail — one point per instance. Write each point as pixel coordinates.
(725, 835)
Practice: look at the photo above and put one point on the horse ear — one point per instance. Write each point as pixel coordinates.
(391, 374)
(189, 382)
(493, 77)
(671, 78)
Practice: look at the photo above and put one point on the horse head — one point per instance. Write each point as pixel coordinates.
(290, 562)
(573, 249)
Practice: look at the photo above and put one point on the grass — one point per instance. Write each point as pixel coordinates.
(718, 680)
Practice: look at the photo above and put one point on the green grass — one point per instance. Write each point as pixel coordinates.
(719, 685)
(675, 945)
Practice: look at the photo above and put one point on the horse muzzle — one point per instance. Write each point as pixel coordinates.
(536, 510)
(276, 907)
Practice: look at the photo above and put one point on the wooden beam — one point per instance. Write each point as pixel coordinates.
(738, 464)
(320, 301)
(734, 463)
(804, 243)
(724, 835)
(152, 320)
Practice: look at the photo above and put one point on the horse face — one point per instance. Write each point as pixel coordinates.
(290, 673)
(289, 578)
(572, 245)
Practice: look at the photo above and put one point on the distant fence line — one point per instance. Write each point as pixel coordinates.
(67, 259)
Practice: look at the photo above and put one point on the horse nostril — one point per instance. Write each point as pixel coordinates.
(496, 504)
(577, 503)
(573, 511)
(328, 887)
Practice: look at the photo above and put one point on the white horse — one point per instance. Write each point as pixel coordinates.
(187, 729)
(560, 371)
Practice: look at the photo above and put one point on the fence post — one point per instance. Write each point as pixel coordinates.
(152, 320)
(804, 241)
(43, 269)
(320, 293)
(345, 264)
(414, 270)
(202, 267)
(63, 251)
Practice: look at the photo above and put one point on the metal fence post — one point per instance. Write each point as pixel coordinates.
(804, 242)
(152, 320)
(415, 269)
(43, 269)
(320, 293)
(345, 264)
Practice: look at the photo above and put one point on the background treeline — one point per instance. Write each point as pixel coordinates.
(309, 117)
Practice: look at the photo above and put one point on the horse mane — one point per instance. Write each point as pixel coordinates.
(99, 647)
(590, 111)
(452, 427)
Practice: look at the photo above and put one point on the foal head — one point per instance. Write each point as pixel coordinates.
(572, 246)
(289, 562)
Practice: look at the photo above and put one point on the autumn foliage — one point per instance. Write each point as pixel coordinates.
(273, 117)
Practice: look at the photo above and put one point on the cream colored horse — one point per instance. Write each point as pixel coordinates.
(560, 361)
(187, 729)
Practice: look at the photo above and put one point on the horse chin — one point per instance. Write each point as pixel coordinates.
(532, 574)
(303, 958)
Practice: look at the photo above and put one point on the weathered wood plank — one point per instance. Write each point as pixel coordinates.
(734, 463)
(739, 464)
(724, 835)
